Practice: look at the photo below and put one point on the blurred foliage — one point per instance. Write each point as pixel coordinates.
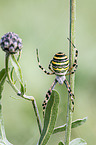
(44, 25)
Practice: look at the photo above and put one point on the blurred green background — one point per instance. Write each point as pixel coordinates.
(44, 24)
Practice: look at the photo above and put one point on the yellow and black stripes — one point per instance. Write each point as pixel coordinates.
(60, 63)
(48, 94)
(59, 66)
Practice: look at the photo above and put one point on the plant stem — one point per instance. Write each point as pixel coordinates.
(7, 73)
(3, 139)
(37, 115)
(30, 98)
(10, 81)
(2, 130)
(71, 78)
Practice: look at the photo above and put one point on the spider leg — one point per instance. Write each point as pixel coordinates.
(40, 66)
(50, 66)
(70, 93)
(47, 97)
(73, 70)
(75, 65)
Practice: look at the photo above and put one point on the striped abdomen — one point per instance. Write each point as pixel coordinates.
(60, 63)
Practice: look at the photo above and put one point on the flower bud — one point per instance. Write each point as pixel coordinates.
(11, 43)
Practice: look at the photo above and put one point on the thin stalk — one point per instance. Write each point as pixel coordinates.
(2, 130)
(7, 72)
(12, 71)
(10, 81)
(37, 115)
(3, 139)
(71, 77)
(30, 98)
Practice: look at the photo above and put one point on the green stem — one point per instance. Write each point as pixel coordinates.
(30, 98)
(71, 78)
(7, 73)
(2, 131)
(12, 71)
(37, 115)
(11, 83)
(3, 138)
(20, 73)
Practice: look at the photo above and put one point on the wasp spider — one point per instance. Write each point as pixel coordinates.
(59, 66)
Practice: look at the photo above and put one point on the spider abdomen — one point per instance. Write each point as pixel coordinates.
(60, 63)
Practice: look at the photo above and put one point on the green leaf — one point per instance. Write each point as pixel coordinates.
(17, 68)
(61, 143)
(11, 74)
(50, 118)
(78, 141)
(75, 123)
(22, 89)
(2, 80)
(25, 87)
(18, 73)
(12, 70)
(78, 122)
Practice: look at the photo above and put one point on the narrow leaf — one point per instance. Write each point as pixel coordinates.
(50, 118)
(78, 122)
(12, 70)
(3, 140)
(75, 123)
(78, 141)
(22, 89)
(2, 74)
(2, 80)
(18, 72)
(61, 143)
(17, 68)
(11, 74)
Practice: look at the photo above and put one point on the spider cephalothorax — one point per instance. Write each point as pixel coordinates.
(59, 66)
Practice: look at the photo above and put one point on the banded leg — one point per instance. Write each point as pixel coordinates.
(48, 73)
(47, 97)
(75, 65)
(50, 67)
(70, 93)
(73, 70)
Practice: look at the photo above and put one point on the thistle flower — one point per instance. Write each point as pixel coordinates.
(11, 43)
